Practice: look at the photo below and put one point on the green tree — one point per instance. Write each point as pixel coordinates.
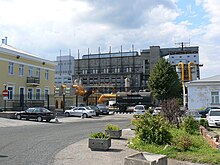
(163, 81)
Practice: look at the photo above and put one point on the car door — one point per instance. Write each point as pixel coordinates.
(28, 113)
(35, 113)
(80, 111)
(73, 112)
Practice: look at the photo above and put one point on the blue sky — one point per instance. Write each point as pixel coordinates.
(44, 27)
(193, 13)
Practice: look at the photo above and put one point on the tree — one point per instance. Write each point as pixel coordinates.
(163, 81)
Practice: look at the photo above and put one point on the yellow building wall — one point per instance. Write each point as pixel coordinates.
(17, 81)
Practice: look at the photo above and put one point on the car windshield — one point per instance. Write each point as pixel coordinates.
(215, 113)
(139, 107)
(89, 108)
(94, 107)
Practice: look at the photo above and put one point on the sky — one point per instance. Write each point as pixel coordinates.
(44, 27)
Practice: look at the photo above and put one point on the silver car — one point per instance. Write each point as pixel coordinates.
(139, 109)
(80, 111)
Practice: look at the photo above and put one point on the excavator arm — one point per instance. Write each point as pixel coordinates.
(106, 97)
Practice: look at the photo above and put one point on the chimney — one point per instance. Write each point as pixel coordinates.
(6, 40)
(3, 41)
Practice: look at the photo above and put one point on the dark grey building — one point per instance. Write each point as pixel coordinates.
(122, 71)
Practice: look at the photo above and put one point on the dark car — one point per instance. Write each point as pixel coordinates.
(37, 113)
(97, 110)
(206, 111)
(103, 109)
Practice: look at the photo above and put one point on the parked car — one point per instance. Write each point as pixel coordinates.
(194, 113)
(71, 107)
(97, 110)
(80, 111)
(204, 112)
(156, 111)
(213, 117)
(139, 109)
(38, 113)
(103, 109)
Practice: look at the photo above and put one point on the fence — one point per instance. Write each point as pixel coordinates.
(22, 102)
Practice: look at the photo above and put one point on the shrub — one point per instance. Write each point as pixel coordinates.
(112, 127)
(99, 135)
(184, 143)
(190, 125)
(204, 123)
(152, 129)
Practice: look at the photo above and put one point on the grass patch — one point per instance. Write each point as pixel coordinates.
(199, 150)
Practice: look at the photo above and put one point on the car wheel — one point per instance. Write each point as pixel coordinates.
(18, 117)
(67, 114)
(84, 115)
(39, 119)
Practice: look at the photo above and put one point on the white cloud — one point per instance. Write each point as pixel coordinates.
(43, 27)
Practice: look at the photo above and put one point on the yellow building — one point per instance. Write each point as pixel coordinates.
(25, 76)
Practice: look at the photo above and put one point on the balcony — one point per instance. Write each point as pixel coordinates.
(33, 81)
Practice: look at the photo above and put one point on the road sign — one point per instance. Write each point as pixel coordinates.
(5, 93)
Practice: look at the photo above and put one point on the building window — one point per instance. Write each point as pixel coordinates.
(11, 68)
(38, 94)
(38, 72)
(46, 74)
(215, 97)
(10, 92)
(21, 70)
(46, 93)
(30, 71)
(30, 93)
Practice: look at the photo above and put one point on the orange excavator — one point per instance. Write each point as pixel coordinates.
(80, 90)
(106, 97)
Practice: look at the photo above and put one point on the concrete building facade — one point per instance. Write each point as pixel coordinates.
(203, 93)
(130, 70)
(64, 70)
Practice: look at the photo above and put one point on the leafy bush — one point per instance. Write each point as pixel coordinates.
(152, 129)
(112, 127)
(190, 125)
(184, 143)
(204, 123)
(99, 135)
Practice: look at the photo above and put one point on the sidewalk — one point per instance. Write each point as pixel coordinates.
(80, 154)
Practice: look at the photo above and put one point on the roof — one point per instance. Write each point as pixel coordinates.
(8, 49)
(208, 80)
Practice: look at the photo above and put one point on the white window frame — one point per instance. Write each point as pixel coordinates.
(215, 97)
(30, 71)
(38, 94)
(46, 92)
(46, 74)
(30, 93)
(10, 92)
(21, 70)
(38, 72)
(11, 68)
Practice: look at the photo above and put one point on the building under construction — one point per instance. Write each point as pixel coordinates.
(125, 71)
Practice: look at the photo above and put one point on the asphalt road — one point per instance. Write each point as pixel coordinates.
(38, 143)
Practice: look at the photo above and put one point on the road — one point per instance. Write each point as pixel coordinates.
(35, 143)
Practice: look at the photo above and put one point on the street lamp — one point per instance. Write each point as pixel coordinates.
(64, 99)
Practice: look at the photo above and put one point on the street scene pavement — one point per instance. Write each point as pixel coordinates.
(78, 152)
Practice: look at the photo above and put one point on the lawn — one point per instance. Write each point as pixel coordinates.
(199, 150)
